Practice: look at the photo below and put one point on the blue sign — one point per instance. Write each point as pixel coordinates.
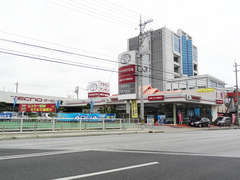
(14, 101)
(96, 117)
(7, 115)
(91, 106)
(197, 111)
(58, 104)
(161, 119)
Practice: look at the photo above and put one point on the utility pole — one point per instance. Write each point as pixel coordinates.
(140, 64)
(16, 86)
(237, 111)
(77, 91)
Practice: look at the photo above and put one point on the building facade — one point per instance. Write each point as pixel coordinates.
(167, 55)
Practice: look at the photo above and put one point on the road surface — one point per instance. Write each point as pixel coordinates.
(194, 155)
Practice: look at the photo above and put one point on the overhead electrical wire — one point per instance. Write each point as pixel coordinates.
(47, 42)
(111, 12)
(16, 53)
(52, 60)
(92, 13)
(74, 53)
(56, 50)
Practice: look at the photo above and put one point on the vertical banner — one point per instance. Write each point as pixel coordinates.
(134, 108)
(233, 118)
(14, 102)
(91, 106)
(180, 118)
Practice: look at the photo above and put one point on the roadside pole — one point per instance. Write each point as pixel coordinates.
(21, 124)
(237, 109)
(140, 64)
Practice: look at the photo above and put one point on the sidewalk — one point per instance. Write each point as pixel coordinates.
(72, 133)
(79, 133)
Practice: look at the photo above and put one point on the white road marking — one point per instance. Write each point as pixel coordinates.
(37, 154)
(107, 171)
(169, 153)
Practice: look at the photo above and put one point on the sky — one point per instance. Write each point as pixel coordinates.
(100, 29)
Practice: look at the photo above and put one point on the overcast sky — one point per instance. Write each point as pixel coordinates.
(101, 28)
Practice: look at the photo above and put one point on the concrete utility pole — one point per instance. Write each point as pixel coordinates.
(140, 63)
(77, 91)
(236, 74)
(16, 86)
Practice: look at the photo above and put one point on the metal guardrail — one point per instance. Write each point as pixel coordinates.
(23, 124)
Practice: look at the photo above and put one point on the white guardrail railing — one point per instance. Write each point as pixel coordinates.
(21, 124)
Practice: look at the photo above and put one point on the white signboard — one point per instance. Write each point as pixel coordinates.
(98, 86)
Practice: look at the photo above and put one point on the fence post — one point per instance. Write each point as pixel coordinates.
(53, 124)
(120, 124)
(21, 124)
(80, 124)
(103, 124)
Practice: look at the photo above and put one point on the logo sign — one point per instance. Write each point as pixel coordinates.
(98, 89)
(33, 99)
(125, 58)
(143, 68)
(219, 101)
(193, 98)
(156, 98)
(98, 86)
(37, 108)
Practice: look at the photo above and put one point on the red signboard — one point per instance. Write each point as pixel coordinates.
(156, 98)
(126, 74)
(98, 94)
(219, 101)
(193, 98)
(37, 108)
(129, 69)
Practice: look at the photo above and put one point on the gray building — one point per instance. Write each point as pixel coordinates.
(168, 55)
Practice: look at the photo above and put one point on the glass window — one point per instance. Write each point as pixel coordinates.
(176, 44)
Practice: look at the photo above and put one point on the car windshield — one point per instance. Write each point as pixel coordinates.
(219, 118)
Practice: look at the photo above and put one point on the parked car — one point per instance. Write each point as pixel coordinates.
(218, 119)
(200, 122)
(223, 121)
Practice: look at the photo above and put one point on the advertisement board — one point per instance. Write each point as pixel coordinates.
(6, 115)
(95, 117)
(37, 108)
(127, 74)
(98, 89)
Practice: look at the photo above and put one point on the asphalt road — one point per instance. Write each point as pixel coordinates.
(187, 155)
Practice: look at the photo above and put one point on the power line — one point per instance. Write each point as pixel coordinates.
(54, 61)
(57, 50)
(74, 62)
(48, 59)
(108, 11)
(92, 13)
(46, 42)
(158, 71)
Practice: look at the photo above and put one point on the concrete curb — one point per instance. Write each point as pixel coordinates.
(32, 135)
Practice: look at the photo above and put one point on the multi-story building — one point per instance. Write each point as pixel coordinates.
(168, 55)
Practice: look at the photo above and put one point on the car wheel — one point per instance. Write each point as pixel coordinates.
(200, 125)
